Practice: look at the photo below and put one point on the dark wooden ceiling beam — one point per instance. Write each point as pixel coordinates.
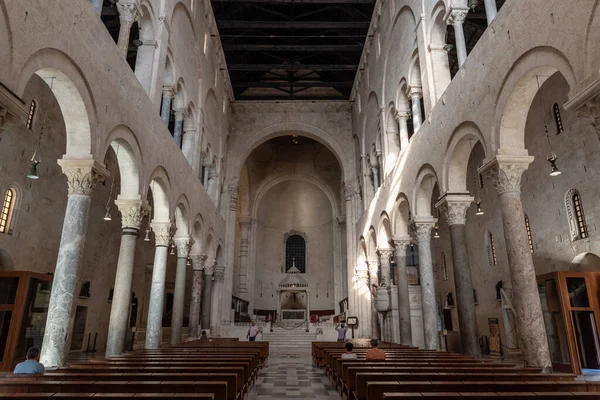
(292, 67)
(290, 97)
(294, 47)
(298, 1)
(300, 84)
(227, 24)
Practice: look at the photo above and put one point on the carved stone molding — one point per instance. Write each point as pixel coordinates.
(164, 20)
(401, 115)
(505, 172)
(132, 212)
(129, 12)
(455, 208)
(349, 189)
(361, 277)
(234, 190)
(456, 16)
(209, 266)
(82, 175)
(219, 273)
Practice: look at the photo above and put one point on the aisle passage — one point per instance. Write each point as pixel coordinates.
(291, 377)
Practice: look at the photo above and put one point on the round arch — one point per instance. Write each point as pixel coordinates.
(159, 185)
(129, 157)
(384, 231)
(424, 185)
(461, 144)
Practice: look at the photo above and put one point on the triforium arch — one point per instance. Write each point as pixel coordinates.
(423, 191)
(129, 157)
(459, 149)
(159, 185)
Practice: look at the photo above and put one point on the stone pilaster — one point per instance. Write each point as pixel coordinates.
(82, 176)
(349, 192)
(456, 17)
(400, 247)
(209, 268)
(455, 209)
(416, 93)
(505, 172)
(363, 299)
(183, 248)
(421, 229)
(163, 232)
(198, 261)
(373, 285)
(129, 12)
(132, 213)
(218, 306)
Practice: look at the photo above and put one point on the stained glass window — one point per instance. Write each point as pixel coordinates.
(295, 253)
(578, 208)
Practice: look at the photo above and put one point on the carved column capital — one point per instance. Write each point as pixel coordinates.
(180, 114)
(384, 254)
(456, 16)
(168, 92)
(183, 246)
(198, 261)
(455, 208)
(83, 174)
(401, 115)
(349, 189)
(163, 232)
(245, 222)
(505, 172)
(219, 273)
(132, 212)
(209, 266)
(401, 244)
(421, 228)
(361, 277)
(129, 12)
(233, 189)
(415, 92)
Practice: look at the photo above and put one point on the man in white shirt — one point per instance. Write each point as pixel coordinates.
(348, 354)
(252, 332)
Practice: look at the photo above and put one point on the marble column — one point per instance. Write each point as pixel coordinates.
(128, 14)
(307, 310)
(97, 4)
(245, 225)
(456, 18)
(402, 118)
(422, 227)
(217, 303)
(363, 300)
(349, 195)
(167, 98)
(180, 114)
(209, 269)
(183, 248)
(82, 176)
(373, 285)
(213, 177)
(416, 93)
(455, 209)
(400, 247)
(163, 232)
(491, 10)
(196, 296)
(505, 172)
(132, 213)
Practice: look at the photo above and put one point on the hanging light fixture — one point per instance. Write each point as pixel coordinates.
(554, 171)
(107, 216)
(147, 237)
(436, 234)
(35, 158)
(478, 204)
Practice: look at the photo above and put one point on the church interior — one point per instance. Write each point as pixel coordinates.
(235, 189)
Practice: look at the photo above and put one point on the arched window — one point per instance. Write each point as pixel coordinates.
(444, 267)
(575, 214)
(557, 118)
(529, 237)
(8, 205)
(31, 114)
(295, 254)
(490, 249)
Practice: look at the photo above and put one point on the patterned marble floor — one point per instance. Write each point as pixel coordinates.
(292, 377)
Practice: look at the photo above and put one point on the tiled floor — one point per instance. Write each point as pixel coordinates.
(292, 377)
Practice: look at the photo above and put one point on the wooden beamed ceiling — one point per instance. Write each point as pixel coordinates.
(293, 49)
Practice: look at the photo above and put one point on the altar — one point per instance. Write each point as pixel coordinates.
(293, 300)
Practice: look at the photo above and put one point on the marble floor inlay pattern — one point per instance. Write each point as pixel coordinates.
(292, 377)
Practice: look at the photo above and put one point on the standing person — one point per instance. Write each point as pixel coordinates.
(252, 332)
(341, 330)
(375, 353)
(31, 365)
(348, 354)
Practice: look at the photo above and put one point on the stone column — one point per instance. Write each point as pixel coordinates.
(455, 209)
(209, 268)
(402, 118)
(400, 247)
(180, 114)
(422, 227)
(349, 192)
(196, 297)
(167, 98)
(278, 316)
(363, 299)
(132, 213)
(82, 176)
(456, 18)
(213, 177)
(416, 93)
(505, 172)
(374, 165)
(384, 262)
(307, 310)
(162, 236)
(490, 10)
(245, 225)
(373, 285)
(97, 4)
(217, 305)
(183, 248)
(128, 14)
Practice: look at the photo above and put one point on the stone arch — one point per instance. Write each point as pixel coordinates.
(190, 133)
(401, 216)
(370, 122)
(159, 185)
(219, 254)
(144, 63)
(384, 231)
(372, 244)
(170, 73)
(197, 234)
(459, 149)
(210, 245)
(181, 216)
(424, 186)
(6, 42)
(129, 157)
(181, 6)
(586, 262)
(73, 94)
(13, 214)
(414, 71)
(243, 149)
(592, 42)
(518, 92)
(402, 100)
(180, 98)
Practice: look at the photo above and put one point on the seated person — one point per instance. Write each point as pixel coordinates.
(31, 365)
(203, 335)
(349, 355)
(375, 353)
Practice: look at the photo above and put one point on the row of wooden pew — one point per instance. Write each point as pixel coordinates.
(219, 370)
(409, 373)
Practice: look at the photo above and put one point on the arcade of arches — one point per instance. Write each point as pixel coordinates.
(441, 186)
